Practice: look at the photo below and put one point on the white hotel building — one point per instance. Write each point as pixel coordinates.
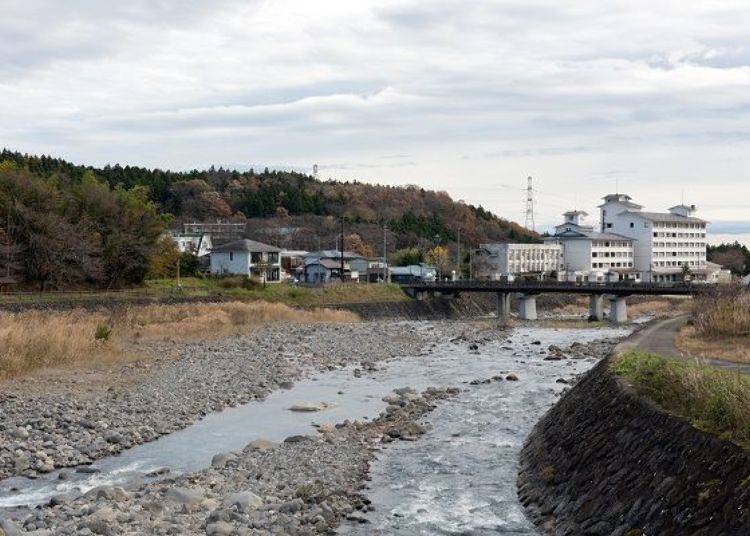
(589, 255)
(664, 242)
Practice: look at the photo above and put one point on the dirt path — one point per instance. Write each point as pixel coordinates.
(659, 337)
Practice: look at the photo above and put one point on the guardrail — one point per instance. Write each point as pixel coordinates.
(622, 288)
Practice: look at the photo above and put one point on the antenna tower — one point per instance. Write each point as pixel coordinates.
(530, 205)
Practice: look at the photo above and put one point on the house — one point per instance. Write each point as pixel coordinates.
(197, 244)
(716, 273)
(325, 266)
(588, 255)
(497, 261)
(293, 262)
(248, 258)
(415, 273)
(667, 245)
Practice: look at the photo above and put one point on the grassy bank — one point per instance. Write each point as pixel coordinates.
(36, 340)
(719, 327)
(713, 400)
(233, 288)
(243, 289)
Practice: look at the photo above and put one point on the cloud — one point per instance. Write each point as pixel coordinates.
(416, 91)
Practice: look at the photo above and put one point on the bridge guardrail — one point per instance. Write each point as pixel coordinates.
(541, 285)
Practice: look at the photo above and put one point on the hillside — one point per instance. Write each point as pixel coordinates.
(295, 210)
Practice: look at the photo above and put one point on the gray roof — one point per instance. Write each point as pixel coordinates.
(413, 269)
(246, 245)
(623, 199)
(589, 236)
(332, 254)
(666, 217)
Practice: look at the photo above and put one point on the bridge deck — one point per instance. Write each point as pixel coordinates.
(538, 287)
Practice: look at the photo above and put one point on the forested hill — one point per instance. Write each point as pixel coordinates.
(292, 209)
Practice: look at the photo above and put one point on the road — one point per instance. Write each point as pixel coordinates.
(658, 338)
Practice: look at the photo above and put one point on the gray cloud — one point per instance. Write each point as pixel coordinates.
(431, 92)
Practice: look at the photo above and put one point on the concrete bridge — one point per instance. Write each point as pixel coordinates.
(527, 291)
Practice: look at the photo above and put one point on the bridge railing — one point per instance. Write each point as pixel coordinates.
(526, 285)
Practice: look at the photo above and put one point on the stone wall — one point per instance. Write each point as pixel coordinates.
(603, 461)
(464, 306)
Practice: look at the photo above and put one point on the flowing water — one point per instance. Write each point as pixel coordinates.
(457, 479)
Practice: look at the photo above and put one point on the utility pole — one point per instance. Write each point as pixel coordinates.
(458, 252)
(342, 249)
(385, 253)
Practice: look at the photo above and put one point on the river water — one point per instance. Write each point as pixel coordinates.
(457, 479)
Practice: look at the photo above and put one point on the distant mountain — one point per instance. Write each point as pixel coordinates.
(295, 210)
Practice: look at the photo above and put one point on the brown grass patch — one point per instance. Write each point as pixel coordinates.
(39, 340)
(724, 313)
(735, 349)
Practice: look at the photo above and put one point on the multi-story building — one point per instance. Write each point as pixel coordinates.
(588, 255)
(667, 245)
(495, 261)
(248, 258)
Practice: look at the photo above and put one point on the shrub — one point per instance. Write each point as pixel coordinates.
(102, 332)
(723, 313)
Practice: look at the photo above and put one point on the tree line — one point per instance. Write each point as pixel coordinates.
(74, 224)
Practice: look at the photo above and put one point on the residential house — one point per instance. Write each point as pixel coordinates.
(325, 266)
(414, 273)
(197, 244)
(293, 263)
(247, 257)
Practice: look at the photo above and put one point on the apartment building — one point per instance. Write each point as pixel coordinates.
(667, 245)
(589, 255)
(495, 261)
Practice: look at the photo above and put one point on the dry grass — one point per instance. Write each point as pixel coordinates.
(736, 349)
(37, 340)
(714, 400)
(40, 340)
(719, 326)
(725, 313)
(656, 307)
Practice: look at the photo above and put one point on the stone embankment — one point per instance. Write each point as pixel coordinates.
(604, 461)
(305, 485)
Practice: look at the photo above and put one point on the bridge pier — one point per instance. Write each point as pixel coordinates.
(596, 307)
(618, 311)
(503, 304)
(527, 306)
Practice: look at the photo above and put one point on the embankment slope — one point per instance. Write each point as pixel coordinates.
(605, 462)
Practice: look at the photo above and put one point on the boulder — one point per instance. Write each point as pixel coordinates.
(245, 501)
(261, 445)
(220, 528)
(221, 459)
(186, 496)
(309, 406)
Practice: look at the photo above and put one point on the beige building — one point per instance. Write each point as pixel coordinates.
(497, 261)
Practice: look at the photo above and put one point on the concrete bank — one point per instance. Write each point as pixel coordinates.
(604, 461)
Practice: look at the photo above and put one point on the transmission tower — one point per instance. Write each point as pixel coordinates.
(530, 205)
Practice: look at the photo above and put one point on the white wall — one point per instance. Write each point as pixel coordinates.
(225, 262)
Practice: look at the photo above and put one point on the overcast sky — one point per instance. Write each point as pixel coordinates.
(651, 96)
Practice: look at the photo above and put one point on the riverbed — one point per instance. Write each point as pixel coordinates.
(459, 478)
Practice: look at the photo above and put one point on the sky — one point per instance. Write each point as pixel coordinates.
(650, 98)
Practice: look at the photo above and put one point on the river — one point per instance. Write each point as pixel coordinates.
(457, 479)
